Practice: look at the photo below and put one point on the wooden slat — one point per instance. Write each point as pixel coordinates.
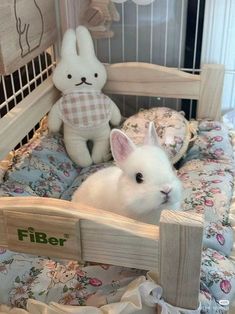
(136, 78)
(209, 105)
(105, 237)
(21, 119)
(180, 257)
(3, 232)
(27, 234)
(121, 247)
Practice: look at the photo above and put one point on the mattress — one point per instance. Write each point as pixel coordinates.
(42, 168)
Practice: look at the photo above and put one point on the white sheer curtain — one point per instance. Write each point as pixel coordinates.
(219, 44)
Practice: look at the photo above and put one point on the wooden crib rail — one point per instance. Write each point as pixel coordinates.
(20, 120)
(51, 227)
(139, 78)
(131, 78)
(144, 79)
(90, 234)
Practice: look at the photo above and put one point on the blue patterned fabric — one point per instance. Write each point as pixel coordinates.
(207, 173)
(25, 276)
(208, 183)
(212, 142)
(217, 281)
(41, 168)
(208, 188)
(84, 173)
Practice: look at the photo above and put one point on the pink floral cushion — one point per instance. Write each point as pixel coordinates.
(208, 188)
(209, 305)
(212, 142)
(218, 274)
(171, 126)
(218, 236)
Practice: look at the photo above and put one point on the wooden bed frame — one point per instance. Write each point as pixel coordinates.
(63, 229)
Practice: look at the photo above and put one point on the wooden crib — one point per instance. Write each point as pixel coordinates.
(58, 228)
(72, 231)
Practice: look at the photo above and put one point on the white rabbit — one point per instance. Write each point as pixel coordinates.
(140, 186)
(84, 109)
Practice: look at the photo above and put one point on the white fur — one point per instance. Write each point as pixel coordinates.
(115, 188)
(83, 65)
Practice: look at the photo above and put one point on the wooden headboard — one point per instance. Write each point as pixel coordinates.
(129, 78)
(142, 79)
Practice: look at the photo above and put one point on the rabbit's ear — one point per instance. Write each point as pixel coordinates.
(121, 145)
(68, 47)
(151, 137)
(85, 42)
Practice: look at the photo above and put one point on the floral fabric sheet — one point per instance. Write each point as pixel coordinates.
(172, 128)
(66, 282)
(43, 168)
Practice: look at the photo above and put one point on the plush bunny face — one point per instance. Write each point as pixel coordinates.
(83, 72)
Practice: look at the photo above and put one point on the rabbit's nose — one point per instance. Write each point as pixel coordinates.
(166, 189)
(83, 79)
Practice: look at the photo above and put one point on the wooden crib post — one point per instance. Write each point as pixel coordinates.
(180, 257)
(209, 102)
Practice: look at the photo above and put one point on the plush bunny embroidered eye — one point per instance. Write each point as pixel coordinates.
(140, 186)
(84, 110)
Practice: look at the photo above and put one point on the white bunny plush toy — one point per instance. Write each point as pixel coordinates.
(83, 109)
(140, 186)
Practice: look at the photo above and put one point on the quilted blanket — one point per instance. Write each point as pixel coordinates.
(42, 168)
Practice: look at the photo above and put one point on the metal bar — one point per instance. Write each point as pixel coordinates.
(123, 53)
(24, 87)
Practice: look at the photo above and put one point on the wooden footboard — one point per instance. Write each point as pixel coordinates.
(57, 228)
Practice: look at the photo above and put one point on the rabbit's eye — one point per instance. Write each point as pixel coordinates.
(69, 76)
(96, 75)
(139, 177)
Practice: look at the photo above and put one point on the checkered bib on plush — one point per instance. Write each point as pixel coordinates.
(85, 109)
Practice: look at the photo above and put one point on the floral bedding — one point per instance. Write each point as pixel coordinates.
(25, 276)
(174, 131)
(43, 168)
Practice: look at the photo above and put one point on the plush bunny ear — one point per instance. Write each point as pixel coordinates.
(121, 145)
(85, 42)
(151, 137)
(68, 47)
